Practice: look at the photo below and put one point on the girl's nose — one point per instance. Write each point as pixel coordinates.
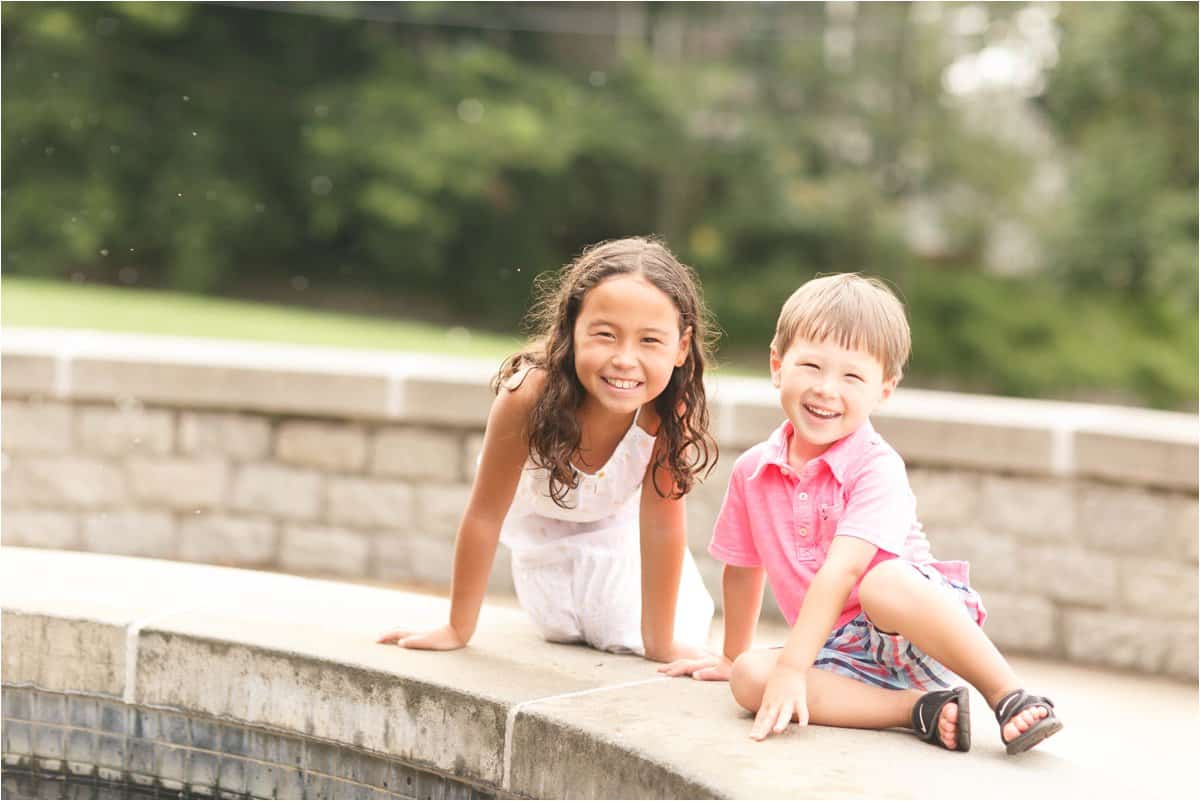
(623, 358)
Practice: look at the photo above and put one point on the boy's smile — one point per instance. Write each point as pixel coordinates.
(827, 392)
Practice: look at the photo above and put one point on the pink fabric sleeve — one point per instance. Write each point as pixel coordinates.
(732, 542)
(880, 506)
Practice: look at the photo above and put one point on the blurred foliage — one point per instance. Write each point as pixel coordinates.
(441, 155)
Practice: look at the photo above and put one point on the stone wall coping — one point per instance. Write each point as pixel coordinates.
(511, 712)
(1014, 435)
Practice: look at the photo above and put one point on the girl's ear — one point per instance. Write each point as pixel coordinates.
(685, 345)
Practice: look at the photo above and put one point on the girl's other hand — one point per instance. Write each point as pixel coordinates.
(708, 668)
(440, 639)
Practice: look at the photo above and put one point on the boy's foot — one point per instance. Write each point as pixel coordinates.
(1025, 720)
(943, 717)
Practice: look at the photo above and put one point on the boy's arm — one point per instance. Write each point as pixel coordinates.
(785, 693)
(742, 590)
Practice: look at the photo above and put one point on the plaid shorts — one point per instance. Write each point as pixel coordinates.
(861, 651)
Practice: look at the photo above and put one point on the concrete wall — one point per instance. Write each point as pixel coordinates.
(1080, 521)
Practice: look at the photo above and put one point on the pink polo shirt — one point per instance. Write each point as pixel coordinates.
(782, 521)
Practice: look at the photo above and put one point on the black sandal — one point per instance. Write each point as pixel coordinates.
(1014, 704)
(928, 708)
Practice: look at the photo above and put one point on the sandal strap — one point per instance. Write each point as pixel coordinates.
(1017, 701)
(926, 711)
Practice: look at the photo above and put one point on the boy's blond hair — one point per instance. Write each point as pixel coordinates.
(859, 313)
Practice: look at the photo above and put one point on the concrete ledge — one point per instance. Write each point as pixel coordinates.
(512, 714)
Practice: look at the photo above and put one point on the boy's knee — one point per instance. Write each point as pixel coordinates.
(878, 585)
(747, 680)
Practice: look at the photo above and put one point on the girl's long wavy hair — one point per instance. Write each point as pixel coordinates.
(554, 433)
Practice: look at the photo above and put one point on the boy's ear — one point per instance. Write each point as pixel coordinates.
(685, 345)
(887, 388)
(776, 366)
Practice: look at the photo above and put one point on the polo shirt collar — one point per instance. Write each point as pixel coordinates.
(837, 456)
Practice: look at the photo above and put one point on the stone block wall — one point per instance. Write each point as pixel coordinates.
(1080, 521)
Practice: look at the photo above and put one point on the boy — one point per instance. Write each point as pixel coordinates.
(823, 510)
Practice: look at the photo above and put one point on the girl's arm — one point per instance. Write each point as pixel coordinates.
(663, 543)
(785, 692)
(505, 449)
(742, 591)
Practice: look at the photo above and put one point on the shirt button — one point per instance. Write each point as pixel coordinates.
(803, 532)
(804, 496)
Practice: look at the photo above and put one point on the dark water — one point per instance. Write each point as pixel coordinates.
(19, 784)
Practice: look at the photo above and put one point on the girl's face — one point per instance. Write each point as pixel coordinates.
(627, 343)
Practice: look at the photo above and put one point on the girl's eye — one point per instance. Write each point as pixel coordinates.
(652, 340)
(605, 334)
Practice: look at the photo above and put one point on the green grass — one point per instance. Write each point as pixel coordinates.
(52, 304)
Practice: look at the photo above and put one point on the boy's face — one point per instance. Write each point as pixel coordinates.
(827, 392)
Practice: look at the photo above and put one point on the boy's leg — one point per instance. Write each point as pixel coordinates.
(900, 600)
(835, 700)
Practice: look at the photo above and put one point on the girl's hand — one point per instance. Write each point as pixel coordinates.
(786, 694)
(708, 668)
(441, 639)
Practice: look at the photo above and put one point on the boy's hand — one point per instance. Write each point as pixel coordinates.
(786, 694)
(706, 668)
(440, 639)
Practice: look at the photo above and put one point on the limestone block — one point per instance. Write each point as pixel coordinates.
(369, 503)
(979, 442)
(993, 557)
(945, 497)
(417, 454)
(129, 429)
(35, 426)
(66, 481)
(317, 549)
(1021, 623)
(411, 557)
(27, 373)
(330, 446)
(1125, 519)
(445, 400)
(1158, 587)
(1069, 573)
(225, 540)
(1121, 641)
(472, 447)
(1037, 510)
(179, 483)
(38, 528)
(277, 491)
(440, 508)
(131, 533)
(242, 437)
(1184, 538)
(1182, 647)
(45, 651)
(227, 384)
(1163, 458)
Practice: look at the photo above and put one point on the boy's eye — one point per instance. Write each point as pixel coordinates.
(810, 364)
(854, 376)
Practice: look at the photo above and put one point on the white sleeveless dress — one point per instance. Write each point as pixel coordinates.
(577, 570)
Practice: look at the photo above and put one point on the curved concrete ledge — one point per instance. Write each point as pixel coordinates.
(511, 715)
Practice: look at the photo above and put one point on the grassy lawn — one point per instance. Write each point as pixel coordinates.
(55, 304)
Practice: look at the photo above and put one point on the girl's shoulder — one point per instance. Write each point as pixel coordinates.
(648, 419)
(518, 394)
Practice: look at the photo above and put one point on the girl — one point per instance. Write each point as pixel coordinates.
(598, 430)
